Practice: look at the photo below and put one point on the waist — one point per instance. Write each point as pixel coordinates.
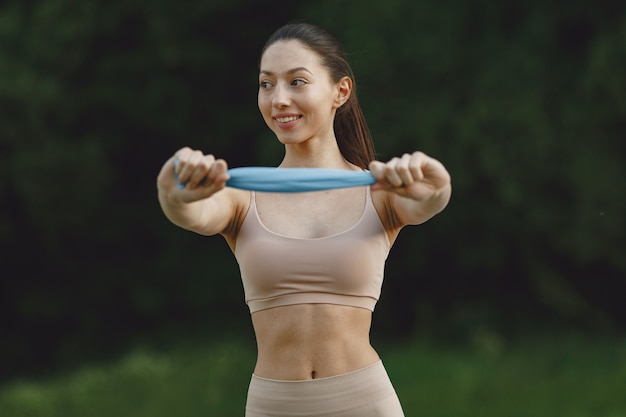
(367, 390)
(310, 341)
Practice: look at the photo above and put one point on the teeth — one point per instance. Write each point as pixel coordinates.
(287, 119)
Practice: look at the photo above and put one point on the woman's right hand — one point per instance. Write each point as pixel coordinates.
(202, 176)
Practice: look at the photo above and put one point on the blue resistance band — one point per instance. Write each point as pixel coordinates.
(294, 180)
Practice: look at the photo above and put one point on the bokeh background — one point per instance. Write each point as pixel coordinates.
(524, 102)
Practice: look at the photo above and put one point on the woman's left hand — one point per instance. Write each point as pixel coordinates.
(416, 176)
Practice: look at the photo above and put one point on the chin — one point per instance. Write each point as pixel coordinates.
(288, 139)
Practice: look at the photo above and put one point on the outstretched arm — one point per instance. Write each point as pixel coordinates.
(418, 187)
(198, 206)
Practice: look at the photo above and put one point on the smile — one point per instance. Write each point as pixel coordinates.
(287, 119)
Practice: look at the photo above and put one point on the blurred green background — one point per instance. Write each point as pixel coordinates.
(514, 290)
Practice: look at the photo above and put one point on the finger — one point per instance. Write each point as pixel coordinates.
(181, 156)
(391, 173)
(217, 176)
(187, 163)
(417, 162)
(180, 160)
(176, 176)
(377, 169)
(201, 169)
(404, 170)
(217, 173)
(215, 179)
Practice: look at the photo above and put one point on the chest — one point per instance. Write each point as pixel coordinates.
(311, 215)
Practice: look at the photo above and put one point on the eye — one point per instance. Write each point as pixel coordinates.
(265, 84)
(298, 82)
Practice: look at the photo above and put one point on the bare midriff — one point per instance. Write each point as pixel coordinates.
(309, 341)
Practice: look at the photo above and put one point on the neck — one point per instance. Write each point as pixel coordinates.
(308, 156)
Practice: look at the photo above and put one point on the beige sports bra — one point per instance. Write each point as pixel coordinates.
(346, 268)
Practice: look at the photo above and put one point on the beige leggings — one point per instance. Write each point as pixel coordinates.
(365, 392)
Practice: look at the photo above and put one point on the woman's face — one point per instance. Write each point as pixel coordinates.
(297, 97)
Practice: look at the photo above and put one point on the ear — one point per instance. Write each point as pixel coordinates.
(343, 90)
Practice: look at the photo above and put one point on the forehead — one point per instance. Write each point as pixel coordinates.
(285, 55)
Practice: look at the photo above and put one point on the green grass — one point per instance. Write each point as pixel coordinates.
(570, 377)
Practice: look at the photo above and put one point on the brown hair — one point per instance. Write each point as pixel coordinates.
(353, 135)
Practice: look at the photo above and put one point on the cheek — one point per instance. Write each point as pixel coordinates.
(263, 106)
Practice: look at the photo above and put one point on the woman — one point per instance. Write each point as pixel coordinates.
(311, 263)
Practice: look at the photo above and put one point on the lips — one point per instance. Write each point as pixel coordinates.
(287, 121)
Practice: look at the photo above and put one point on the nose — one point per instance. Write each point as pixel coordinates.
(280, 98)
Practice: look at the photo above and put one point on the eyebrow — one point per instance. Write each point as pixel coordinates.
(289, 72)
